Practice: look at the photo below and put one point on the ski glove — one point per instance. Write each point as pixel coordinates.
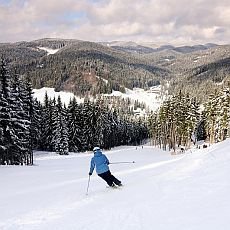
(90, 173)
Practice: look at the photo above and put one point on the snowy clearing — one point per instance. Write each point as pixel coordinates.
(65, 96)
(161, 191)
(49, 50)
(151, 99)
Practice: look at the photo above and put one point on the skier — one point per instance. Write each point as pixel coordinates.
(101, 162)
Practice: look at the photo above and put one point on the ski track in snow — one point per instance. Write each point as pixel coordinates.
(39, 216)
(159, 191)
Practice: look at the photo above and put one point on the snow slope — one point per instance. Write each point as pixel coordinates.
(65, 96)
(151, 99)
(49, 50)
(161, 191)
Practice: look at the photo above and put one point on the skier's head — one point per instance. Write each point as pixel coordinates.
(95, 149)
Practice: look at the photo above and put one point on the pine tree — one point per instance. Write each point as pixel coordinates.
(217, 116)
(74, 121)
(211, 113)
(47, 125)
(14, 120)
(36, 125)
(7, 134)
(28, 105)
(175, 122)
(109, 131)
(60, 132)
(20, 123)
(88, 129)
(224, 114)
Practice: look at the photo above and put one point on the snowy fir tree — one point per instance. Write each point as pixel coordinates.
(175, 122)
(217, 116)
(60, 132)
(75, 126)
(47, 125)
(20, 122)
(80, 127)
(5, 134)
(180, 121)
(14, 120)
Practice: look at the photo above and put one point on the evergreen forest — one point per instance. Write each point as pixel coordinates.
(27, 125)
(182, 121)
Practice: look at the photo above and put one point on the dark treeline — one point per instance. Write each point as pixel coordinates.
(80, 127)
(181, 120)
(27, 125)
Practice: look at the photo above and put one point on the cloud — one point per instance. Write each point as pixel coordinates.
(164, 21)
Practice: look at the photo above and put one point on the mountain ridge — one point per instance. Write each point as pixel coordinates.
(78, 66)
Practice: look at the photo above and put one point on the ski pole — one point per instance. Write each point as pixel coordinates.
(123, 162)
(88, 186)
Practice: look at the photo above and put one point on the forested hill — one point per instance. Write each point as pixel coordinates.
(89, 68)
(80, 66)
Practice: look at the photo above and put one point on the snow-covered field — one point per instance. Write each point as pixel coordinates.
(49, 50)
(65, 96)
(151, 99)
(161, 191)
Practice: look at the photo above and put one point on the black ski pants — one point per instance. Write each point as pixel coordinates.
(109, 178)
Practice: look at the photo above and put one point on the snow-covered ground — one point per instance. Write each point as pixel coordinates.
(161, 191)
(65, 96)
(151, 98)
(49, 50)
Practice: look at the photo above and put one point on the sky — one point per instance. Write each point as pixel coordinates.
(158, 21)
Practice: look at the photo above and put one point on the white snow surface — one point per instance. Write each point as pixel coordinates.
(151, 97)
(161, 191)
(49, 50)
(65, 96)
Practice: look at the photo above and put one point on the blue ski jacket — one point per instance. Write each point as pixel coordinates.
(100, 161)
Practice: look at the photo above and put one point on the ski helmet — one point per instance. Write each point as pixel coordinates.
(96, 148)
